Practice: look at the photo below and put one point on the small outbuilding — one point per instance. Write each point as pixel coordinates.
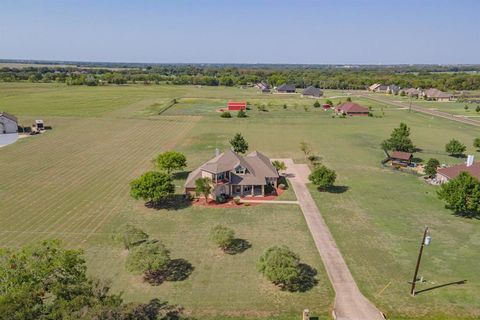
(401, 158)
(286, 88)
(8, 123)
(312, 92)
(351, 109)
(236, 106)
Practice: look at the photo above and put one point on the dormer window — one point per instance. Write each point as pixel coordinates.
(240, 170)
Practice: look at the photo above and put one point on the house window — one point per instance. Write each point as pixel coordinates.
(221, 176)
(240, 170)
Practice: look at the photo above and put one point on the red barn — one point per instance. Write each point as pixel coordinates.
(236, 106)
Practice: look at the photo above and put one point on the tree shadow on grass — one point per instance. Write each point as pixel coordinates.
(238, 246)
(182, 175)
(176, 270)
(156, 309)
(172, 202)
(305, 281)
(441, 286)
(336, 189)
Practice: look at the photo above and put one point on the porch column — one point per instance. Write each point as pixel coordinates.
(253, 188)
(263, 190)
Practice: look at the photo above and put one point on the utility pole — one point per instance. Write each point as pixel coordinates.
(424, 243)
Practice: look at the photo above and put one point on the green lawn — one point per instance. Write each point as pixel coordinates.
(72, 183)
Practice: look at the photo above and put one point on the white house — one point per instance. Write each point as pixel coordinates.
(8, 123)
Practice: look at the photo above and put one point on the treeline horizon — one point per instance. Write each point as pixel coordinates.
(446, 78)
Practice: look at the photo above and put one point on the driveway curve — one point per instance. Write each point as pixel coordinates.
(350, 304)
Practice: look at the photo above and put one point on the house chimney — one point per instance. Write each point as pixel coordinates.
(469, 160)
(217, 152)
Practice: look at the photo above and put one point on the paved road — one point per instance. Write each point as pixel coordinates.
(418, 108)
(350, 304)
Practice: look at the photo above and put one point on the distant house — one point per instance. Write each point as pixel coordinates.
(236, 175)
(393, 89)
(312, 92)
(263, 87)
(437, 95)
(411, 92)
(236, 106)
(401, 158)
(326, 107)
(351, 109)
(445, 174)
(8, 123)
(286, 88)
(377, 87)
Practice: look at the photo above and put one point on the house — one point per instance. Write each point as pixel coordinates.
(286, 88)
(236, 106)
(236, 175)
(8, 123)
(377, 87)
(400, 158)
(445, 174)
(326, 107)
(437, 95)
(393, 89)
(312, 92)
(351, 109)
(411, 92)
(263, 87)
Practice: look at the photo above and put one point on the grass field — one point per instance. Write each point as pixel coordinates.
(72, 183)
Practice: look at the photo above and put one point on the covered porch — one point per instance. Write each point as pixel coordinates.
(248, 190)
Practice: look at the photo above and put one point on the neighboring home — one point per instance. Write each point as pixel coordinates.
(263, 87)
(236, 175)
(286, 88)
(411, 92)
(351, 109)
(8, 123)
(445, 174)
(326, 107)
(236, 106)
(393, 89)
(312, 92)
(377, 87)
(437, 95)
(401, 158)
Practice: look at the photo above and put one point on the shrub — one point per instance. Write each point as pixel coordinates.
(431, 167)
(279, 265)
(322, 177)
(316, 104)
(147, 256)
(284, 106)
(226, 114)
(237, 200)
(221, 199)
(477, 109)
(130, 236)
(222, 236)
(241, 114)
(281, 186)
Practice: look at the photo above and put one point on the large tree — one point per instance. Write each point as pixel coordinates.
(322, 177)
(476, 141)
(148, 256)
(455, 148)
(170, 161)
(462, 195)
(239, 144)
(399, 140)
(152, 187)
(47, 281)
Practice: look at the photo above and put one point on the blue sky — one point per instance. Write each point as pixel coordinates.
(242, 31)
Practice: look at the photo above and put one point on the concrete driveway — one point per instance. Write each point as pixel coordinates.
(350, 304)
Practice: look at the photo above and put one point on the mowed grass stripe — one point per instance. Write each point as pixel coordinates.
(62, 205)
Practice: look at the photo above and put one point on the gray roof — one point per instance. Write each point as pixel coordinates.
(312, 91)
(257, 164)
(435, 93)
(286, 87)
(8, 116)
